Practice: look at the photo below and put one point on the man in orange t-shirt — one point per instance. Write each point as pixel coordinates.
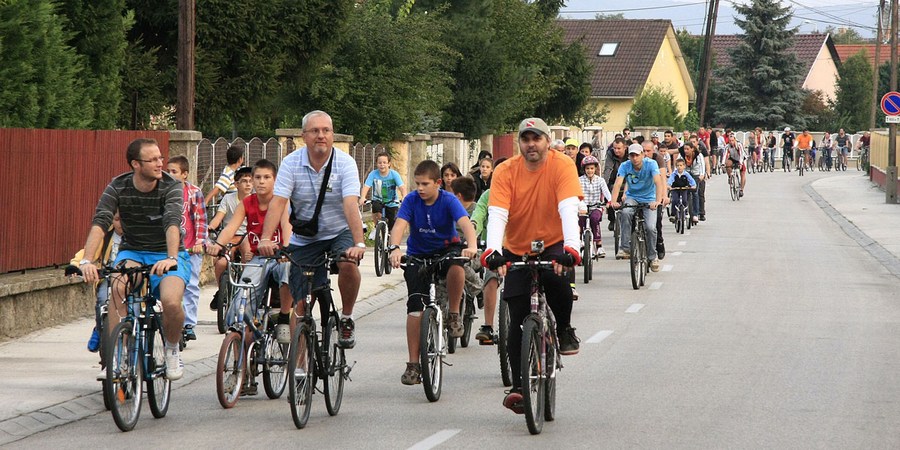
(534, 197)
(804, 145)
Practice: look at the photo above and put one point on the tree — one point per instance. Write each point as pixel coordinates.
(388, 76)
(616, 16)
(40, 72)
(692, 48)
(762, 86)
(854, 91)
(845, 36)
(655, 106)
(568, 74)
(98, 34)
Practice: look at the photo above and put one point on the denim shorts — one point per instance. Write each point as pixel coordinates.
(149, 258)
(312, 254)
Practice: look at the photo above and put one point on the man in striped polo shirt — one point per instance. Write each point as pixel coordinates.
(339, 225)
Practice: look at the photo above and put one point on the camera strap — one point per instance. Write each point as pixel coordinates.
(325, 179)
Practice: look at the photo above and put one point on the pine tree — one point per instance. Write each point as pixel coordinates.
(854, 92)
(762, 86)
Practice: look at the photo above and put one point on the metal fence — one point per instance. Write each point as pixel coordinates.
(211, 156)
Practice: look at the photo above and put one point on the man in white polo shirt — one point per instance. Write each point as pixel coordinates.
(338, 227)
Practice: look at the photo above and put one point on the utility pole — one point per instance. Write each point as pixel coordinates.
(876, 64)
(184, 105)
(706, 60)
(890, 188)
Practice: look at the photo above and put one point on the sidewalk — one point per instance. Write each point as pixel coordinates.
(857, 205)
(49, 374)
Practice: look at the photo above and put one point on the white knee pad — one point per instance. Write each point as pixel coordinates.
(415, 314)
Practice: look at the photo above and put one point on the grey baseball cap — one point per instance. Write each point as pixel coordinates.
(534, 125)
(635, 149)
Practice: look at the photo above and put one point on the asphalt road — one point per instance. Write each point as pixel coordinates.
(768, 327)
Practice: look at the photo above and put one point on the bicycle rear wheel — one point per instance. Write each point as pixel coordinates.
(379, 248)
(431, 359)
(159, 388)
(275, 367)
(124, 385)
(301, 374)
(503, 334)
(552, 371)
(616, 232)
(335, 365)
(224, 301)
(468, 305)
(586, 238)
(533, 375)
(387, 255)
(231, 368)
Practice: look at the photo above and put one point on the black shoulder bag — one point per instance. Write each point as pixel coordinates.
(310, 228)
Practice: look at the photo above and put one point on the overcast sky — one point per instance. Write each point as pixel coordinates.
(809, 15)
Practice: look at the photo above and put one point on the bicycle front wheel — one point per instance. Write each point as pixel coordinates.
(104, 337)
(502, 341)
(586, 241)
(635, 261)
(222, 304)
(533, 376)
(431, 358)
(230, 369)
(301, 374)
(335, 365)
(159, 388)
(380, 249)
(124, 385)
(274, 367)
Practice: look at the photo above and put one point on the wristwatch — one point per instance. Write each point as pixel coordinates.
(83, 262)
(392, 248)
(361, 244)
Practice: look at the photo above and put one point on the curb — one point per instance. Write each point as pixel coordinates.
(29, 424)
(882, 255)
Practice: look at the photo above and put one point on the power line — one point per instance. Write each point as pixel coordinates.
(602, 11)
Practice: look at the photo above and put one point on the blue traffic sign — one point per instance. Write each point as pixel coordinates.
(890, 103)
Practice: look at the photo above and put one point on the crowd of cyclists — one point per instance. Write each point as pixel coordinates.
(492, 214)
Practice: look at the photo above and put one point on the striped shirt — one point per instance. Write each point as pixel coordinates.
(300, 183)
(595, 189)
(225, 183)
(145, 216)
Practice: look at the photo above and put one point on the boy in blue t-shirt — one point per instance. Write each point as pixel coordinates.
(432, 216)
(384, 183)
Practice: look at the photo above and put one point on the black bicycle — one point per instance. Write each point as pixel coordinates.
(639, 261)
(316, 355)
(862, 161)
(683, 210)
(540, 361)
(434, 331)
(226, 290)
(382, 238)
(135, 352)
(589, 251)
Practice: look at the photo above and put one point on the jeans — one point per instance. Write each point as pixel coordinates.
(626, 217)
(192, 291)
(595, 215)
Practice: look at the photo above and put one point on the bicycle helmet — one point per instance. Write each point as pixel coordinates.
(787, 128)
(589, 160)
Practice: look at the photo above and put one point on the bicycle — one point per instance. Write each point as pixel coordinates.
(540, 347)
(102, 330)
(382, 238)
(801, 162)
(315, 354)
(639, 261)
(434, 331)
(249, 344)
(502, 336)
(839, 164)
(734, 184)
(683, 211)
(862, 161)
(589, 252)
(786, 161)
(226, 290)
(135, 352)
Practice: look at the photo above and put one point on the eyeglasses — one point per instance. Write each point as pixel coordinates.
(153, 160)
(316, 131)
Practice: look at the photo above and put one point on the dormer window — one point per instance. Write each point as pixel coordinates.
(608, 49)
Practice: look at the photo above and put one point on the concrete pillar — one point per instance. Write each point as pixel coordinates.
(294, 135)
(644, 131)
(487, 143)
(184, 143)
(558, 132)
(414, 153)
(452, 143)
(343, 142)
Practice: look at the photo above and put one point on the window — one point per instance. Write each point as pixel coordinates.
(608, 49)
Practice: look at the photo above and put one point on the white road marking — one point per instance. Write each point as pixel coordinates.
(682, 243)
(634, 308)
(599, 337)
(667, 268)
(676, 253)
(687, 233)
(434, 440)
(655, 285)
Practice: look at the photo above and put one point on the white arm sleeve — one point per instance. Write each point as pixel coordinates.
(496, 226)
(568, 212)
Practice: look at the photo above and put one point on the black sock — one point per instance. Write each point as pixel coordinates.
(284, 318)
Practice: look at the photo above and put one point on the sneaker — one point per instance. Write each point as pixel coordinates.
(568, 342)
(412, 375)
(102, 375)
(611, 226)
(661, 252)
(93, 344)
(485, 335)
(574, 294)
(249, 389)
(694, 220)
(601, 253)
(514, 401)
(672, 219)
(703, 217)
(654, 265)
(283, 333)
(347, 330)
(214, 303)
(623, 255)
(189, 334)
(372, 235)
(456, 325)
(174, 364)
(742, 192)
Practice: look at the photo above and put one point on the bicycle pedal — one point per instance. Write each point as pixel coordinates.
(444, 362)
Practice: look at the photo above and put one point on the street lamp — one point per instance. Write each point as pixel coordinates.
(815, 24)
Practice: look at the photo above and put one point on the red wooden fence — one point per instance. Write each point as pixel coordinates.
(504, 146)
(53, 180)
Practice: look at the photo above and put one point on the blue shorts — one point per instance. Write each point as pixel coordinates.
(311, 254)
(149, 258)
